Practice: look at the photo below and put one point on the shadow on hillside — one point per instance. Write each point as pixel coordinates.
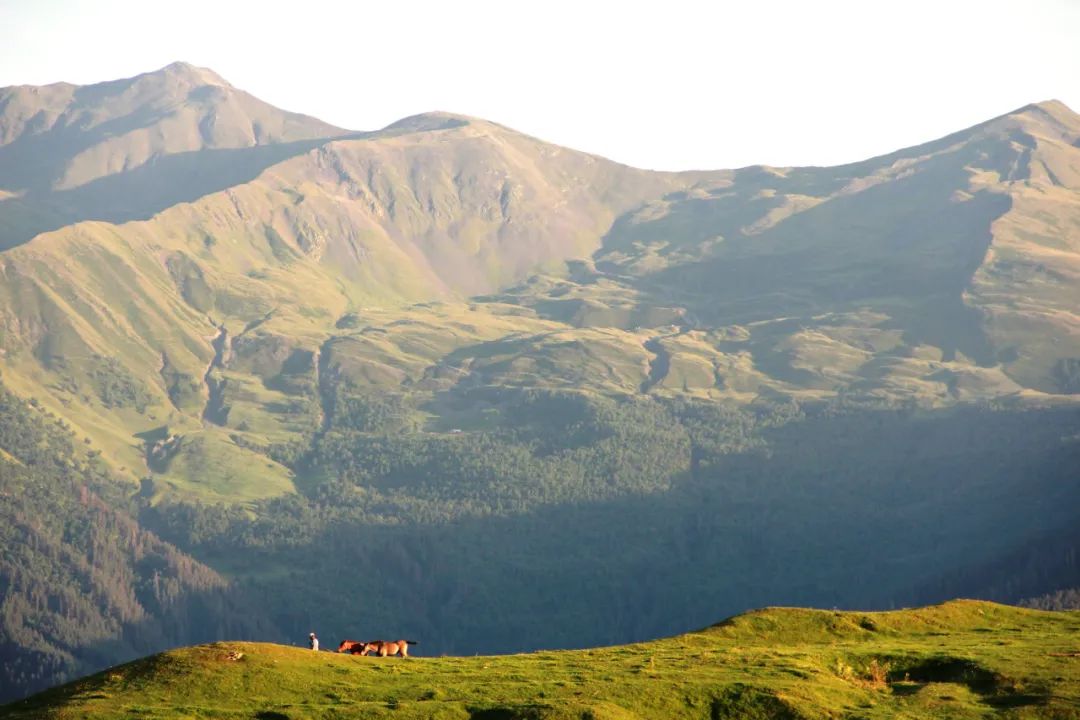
(36, 160)
(142, 192)
(852, 510)
(192, 618)
(857, 511)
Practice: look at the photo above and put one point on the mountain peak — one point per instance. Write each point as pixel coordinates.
(1051, 106)
(1054, 110)
(192, 74)
(428, 121)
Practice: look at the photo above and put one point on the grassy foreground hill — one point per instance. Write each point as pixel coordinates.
(962, 659)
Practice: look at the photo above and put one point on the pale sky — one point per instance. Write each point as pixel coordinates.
(671, 84)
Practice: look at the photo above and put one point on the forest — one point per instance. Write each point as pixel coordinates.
(82, 584)
(577, 520)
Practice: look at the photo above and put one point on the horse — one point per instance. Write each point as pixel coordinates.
(354, 647)
(382, 648)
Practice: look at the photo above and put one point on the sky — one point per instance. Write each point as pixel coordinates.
(670, 85)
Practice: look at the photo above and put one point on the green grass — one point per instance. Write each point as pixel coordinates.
(212, 468)
(963, 659)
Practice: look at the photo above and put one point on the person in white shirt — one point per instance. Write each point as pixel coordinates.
(313, 642)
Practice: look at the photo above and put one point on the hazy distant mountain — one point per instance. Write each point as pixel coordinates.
(128, 148)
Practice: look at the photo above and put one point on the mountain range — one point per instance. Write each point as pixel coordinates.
(246, 315)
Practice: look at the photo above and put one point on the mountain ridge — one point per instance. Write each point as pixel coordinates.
(774, 662)
(190, 74)
(393, 218)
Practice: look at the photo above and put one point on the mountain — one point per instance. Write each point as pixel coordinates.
(562, 401)
(967, 247)
(931, 275)
(961, 659)
(436, 207)
(129, 148)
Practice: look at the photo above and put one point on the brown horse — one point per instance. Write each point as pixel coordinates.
(382, 648)
(352, 646)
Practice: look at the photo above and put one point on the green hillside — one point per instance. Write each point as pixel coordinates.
(307, 255)
(963, 659)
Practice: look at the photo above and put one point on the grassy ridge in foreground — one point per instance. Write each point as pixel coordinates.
(963, 659)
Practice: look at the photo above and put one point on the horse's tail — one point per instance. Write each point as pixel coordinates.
(411, 642)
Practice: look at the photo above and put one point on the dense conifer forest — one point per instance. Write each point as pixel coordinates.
(82, 585)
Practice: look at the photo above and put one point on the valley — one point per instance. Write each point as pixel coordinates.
(559, 401)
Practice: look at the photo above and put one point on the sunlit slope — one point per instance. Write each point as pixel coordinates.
(441, 205)
(962, 659)
(1028, 286)
(131, 328)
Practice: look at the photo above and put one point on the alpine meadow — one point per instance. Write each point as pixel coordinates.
(263, 376)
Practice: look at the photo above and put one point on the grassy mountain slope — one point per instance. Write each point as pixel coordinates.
(433, 207)
(634, 519)
(1026, 287)
(950, 264)
(962, 660)
(877, 280)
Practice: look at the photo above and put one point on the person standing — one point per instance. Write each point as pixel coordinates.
(313, 642)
